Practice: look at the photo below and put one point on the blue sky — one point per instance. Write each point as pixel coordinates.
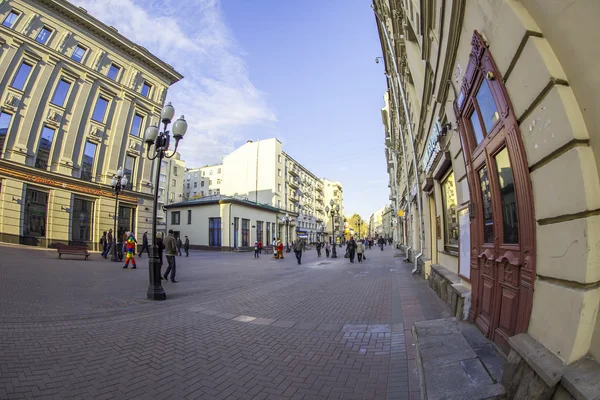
(299, 70)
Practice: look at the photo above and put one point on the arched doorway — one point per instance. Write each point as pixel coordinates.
(502, 224)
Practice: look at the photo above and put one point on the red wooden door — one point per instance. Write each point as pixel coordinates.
(502, 230)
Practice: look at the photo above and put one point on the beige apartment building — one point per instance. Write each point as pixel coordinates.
(492, 139)
(75, 99)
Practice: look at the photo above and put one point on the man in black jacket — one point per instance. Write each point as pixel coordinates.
(145, 244)
(186, 246)
(351, 248)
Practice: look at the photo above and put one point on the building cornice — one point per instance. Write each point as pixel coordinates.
(80, 17)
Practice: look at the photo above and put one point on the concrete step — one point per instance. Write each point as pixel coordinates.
(455, 361)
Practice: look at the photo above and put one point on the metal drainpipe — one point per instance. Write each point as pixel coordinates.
(411, 137)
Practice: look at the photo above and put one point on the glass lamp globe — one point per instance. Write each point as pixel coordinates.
(151, 134)
(180, 128)
(113, 181)
(167, 113)
(326, 208)
(331, 202)
(124, 181)
(119, 172)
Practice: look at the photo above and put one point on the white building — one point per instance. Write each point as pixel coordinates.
(333, 190)
(203, 181)
(223, 222)
(170, 187)
(263, 173)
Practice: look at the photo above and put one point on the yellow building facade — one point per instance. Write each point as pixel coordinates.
(492, 147)
(76, 97)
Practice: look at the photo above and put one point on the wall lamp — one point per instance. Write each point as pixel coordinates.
(377, 59)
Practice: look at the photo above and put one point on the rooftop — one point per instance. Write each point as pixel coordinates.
(222, 199)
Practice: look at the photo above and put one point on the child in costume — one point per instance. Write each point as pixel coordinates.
(130, 252)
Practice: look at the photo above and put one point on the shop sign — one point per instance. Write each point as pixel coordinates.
(63, 185)
(433, 147)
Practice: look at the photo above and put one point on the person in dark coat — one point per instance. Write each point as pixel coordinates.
(109, 243)
(179, 244)
(145, 244)
(351, 248)
(161, 246)
(186, 246)
(318, 249)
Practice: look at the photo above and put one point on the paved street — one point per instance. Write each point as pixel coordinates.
(234, 327)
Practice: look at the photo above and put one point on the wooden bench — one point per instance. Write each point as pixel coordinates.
(75, 250)
(268, 249)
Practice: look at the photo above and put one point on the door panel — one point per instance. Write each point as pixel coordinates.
(503, 228)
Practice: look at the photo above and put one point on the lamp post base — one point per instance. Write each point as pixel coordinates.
(333, 253)
(114, 257)
(155, 289)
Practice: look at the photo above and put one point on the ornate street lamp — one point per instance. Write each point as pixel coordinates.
(160, 140)
(118, 182)
(359, 222)
(333, 214)
(286, 220)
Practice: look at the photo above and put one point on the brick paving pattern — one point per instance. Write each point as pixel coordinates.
(232, 328)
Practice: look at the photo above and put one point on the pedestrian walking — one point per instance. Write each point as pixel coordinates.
(360, 249)
(365, 246)
(255, 249)
(108, 245)
(351, 248)
(298, 246)
(179, 244)
(279, 249)
(161, 246)
(123, 240)
(186, 246)
(103, 243)
(259, 247)
(381, 243)
(327, 249)
(318, 249)
(145, 244)
(130, 251)
(170, 253)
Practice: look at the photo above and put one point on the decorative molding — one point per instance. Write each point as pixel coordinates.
(12, 102)
(96, 134)
(53, 118)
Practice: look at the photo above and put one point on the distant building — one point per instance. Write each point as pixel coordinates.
(75, 99)
(170, 188)
(334, 191)
(203, 181)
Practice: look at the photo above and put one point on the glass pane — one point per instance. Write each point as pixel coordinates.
(488, 217)
(507, 198)
(113, 72)
(136, 125)
(146, 89)
(21, 76)
(87, 163)
(126, 222)
(43, 153)
(35, 213)
(81, 220)
(78, 53)
(10, 19)
(4, 124)
(43, 35)
(487, 106)
(60, 94)
(450, 216)
(128, 170)
(100, 109)
(476, 127)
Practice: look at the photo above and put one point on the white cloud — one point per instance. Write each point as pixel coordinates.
(216, 95)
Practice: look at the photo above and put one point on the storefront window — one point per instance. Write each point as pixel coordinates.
(507, 196)
(245, 232)
(126, 221)
(214, 231)
(81, 220)
(450, 216)
(36, 209)
(488, 216)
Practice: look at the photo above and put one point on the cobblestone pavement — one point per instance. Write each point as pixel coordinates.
(234, 327)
